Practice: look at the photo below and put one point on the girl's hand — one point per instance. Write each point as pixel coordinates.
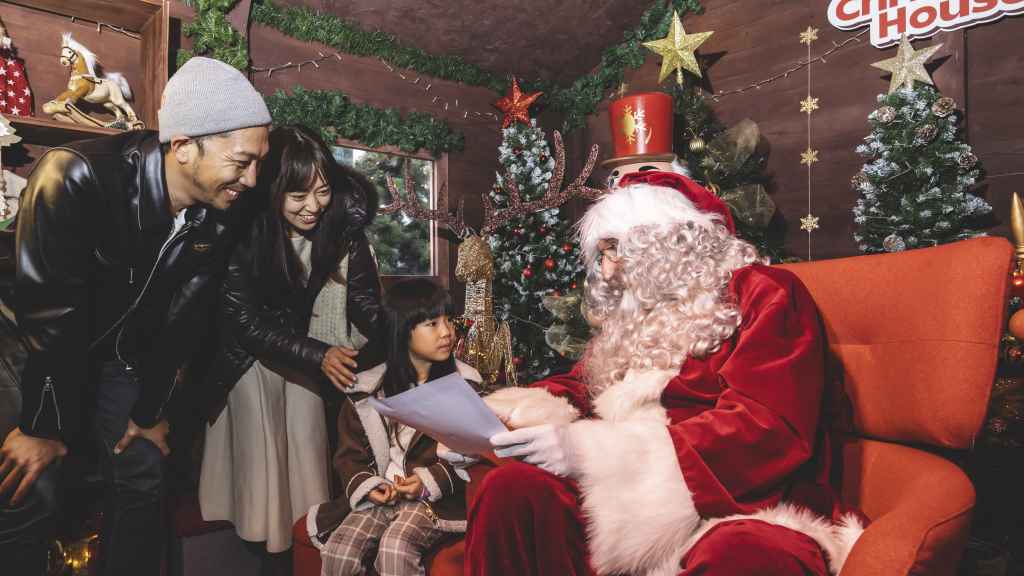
(409, 488)
(383, 495)
(338, 365)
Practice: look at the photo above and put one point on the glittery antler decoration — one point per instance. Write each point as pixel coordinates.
(554, 197)
(410, 205)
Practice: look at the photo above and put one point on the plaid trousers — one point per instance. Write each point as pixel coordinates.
(399, 535)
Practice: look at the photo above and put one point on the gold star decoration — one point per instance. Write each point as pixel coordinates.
(515, 105)
(677, 50)
(809, 105)
(809, 156)
(809, 223)
(908, 65)
(809, 35)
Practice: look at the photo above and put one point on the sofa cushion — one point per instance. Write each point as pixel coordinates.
(915, 336)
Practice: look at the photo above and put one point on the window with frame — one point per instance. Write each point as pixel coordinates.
(404, 246)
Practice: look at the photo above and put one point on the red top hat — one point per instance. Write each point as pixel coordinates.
(641, 129)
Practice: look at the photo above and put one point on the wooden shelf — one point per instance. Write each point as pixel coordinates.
(53, 133)
(130, 14)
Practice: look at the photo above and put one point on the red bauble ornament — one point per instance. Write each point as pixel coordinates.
(517, 360)
(549, 263)
(1017, 324)
(567, 248)
(527, 272)
(1017, 285)
(572, 286)
(519, 231)
(1014, 354)
(542, 231)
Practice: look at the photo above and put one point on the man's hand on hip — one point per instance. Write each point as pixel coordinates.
(157, 435)
(24, 458)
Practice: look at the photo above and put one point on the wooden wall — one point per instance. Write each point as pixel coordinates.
(982, 68)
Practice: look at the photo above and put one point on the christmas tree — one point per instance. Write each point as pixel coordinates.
(534, 256)
(914, 186)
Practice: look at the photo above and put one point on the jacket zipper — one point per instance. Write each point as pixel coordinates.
(117, 340)
(47, 387)
(149, 280)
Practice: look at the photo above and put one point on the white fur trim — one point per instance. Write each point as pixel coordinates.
(636, 397)
(368, 381)
(433, 488)
(311, 526)
(639, 509)
(358, 501)
(636, 205)
(524, 407)
(835, 539)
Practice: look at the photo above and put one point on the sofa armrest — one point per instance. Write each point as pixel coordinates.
(919, 505)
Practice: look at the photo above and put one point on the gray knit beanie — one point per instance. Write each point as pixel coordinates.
(207, 96)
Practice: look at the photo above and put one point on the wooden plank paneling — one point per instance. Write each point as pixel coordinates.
(981, 69)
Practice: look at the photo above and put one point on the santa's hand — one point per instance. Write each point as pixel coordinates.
(547, 446)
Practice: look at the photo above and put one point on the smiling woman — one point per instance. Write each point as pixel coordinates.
(301, 299)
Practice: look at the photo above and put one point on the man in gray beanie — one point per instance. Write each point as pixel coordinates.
(120, 245)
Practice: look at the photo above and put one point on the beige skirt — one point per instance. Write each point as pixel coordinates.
(266, 458)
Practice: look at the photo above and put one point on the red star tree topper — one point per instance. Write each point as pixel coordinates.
(515, 105)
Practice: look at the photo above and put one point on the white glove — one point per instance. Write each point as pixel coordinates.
(458, 460)
(547, 446)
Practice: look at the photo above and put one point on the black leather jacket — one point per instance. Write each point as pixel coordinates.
(95, 281)
(254, 325)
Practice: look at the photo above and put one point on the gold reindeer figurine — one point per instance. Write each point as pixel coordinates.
(488, 344)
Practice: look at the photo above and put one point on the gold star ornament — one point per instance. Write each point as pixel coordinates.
(908, 65)
(809, 223)
(809, 105)
(515, 105)
(677, 50)
(809, 156)
(809, 35)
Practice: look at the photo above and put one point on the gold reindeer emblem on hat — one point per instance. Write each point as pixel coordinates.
(634, 125)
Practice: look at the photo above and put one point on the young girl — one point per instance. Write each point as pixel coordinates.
(398, 499)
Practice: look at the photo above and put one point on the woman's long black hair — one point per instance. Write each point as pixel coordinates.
(295, 158)
(406, 304)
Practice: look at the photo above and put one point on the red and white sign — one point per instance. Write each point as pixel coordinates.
(890, 19)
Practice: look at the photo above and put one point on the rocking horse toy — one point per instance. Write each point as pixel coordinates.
(89, 83)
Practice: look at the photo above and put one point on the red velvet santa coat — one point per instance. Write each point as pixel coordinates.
(743, 437)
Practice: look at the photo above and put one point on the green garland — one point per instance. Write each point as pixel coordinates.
(344, 36)
(575, 102)
(212, 35)
(335, 116)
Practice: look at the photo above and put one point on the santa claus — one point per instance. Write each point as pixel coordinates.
(688, 438)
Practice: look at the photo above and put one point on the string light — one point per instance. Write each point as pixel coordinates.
(101, 25)
(418, 82)
(717, 96)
